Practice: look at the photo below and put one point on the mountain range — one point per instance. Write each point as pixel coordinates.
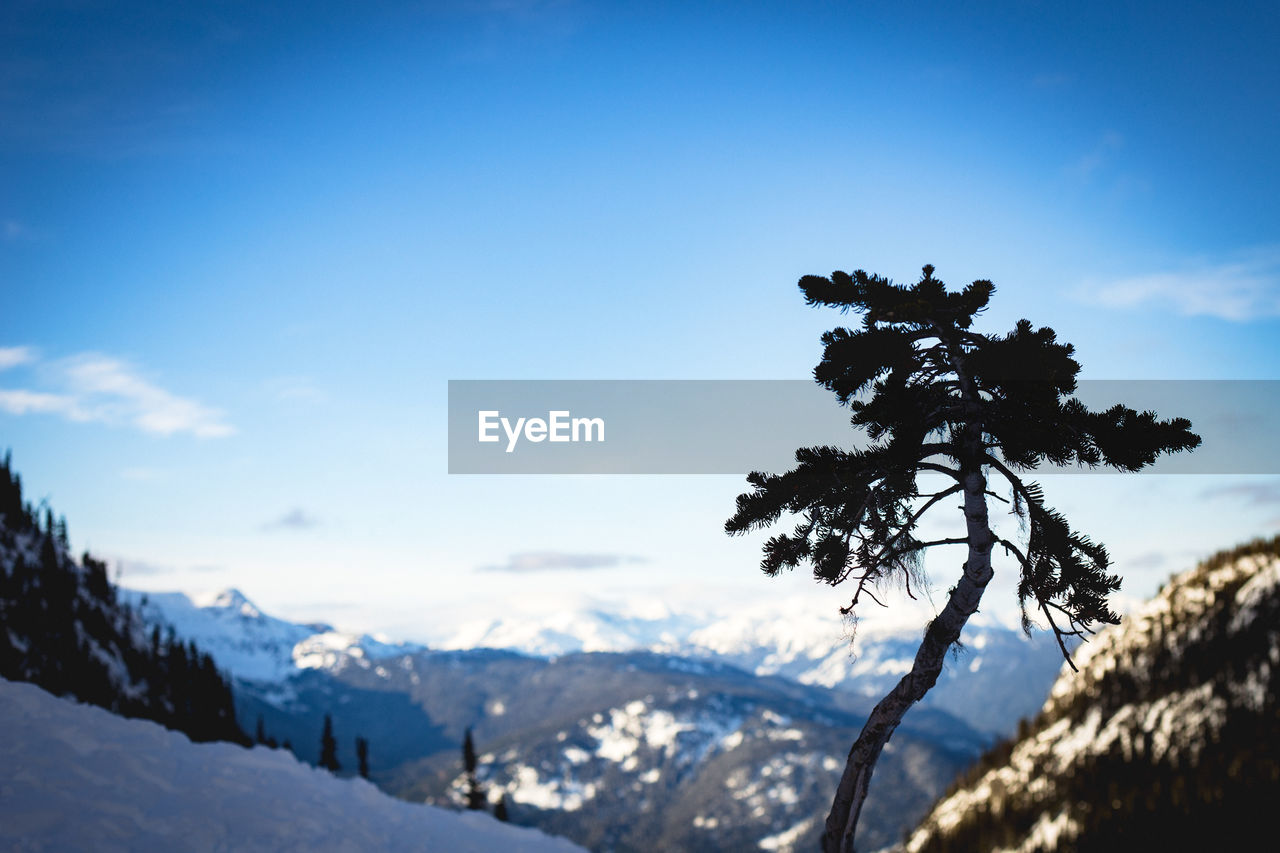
(621, 729)
(998, 678)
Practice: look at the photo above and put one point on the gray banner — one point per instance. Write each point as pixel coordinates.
(737, 426)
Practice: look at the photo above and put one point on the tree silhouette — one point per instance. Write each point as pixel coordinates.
(362, 757)
(329, 747)
(956, 406)
(475, 794)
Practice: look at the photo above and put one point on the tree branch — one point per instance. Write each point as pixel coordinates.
(1057, 635)
(1014, 480)
(941, 469)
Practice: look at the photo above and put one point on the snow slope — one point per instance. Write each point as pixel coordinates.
(76, 777)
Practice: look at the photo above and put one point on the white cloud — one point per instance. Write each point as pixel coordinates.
(1254, 493)
(14, 356)
(1239, 289)
(148, 407)
(22, 402)
(101, 389)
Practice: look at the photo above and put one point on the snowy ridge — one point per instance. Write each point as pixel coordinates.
(799, 638)
(805, 624)
(253, 646)
(1000, 676)
(133, 785)
(565, 631)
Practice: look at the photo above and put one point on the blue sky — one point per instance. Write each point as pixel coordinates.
(243, 247)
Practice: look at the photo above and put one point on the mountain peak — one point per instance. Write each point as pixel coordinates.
(234, 600)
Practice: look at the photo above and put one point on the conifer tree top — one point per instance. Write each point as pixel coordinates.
(937, 397)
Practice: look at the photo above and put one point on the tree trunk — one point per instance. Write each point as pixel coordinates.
(942, 632)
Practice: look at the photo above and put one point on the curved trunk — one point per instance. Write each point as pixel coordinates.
(942, 632)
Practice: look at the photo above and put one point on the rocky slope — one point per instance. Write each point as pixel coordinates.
(642, 752)
(1168, 737)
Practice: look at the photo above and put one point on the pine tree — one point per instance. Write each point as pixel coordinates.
(468, 753)
(957, 406)
(329, 747)
(500, 810)
(475, 794)
(362, 757)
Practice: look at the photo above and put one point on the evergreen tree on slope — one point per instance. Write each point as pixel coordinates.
(956, 406)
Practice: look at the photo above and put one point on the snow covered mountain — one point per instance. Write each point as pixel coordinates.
(1001, 677)
(1167, 739)
(251, 645)
(80, 778)
(639, 751)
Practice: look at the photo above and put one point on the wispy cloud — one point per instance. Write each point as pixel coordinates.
(1253, 494)
(1147, 560)
(20, 401)
(295, 519)
(149, 407)
(140, 568)
(97, 388)
(14, 356)
(542, 561)
(128, 567)
(1243, 288)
